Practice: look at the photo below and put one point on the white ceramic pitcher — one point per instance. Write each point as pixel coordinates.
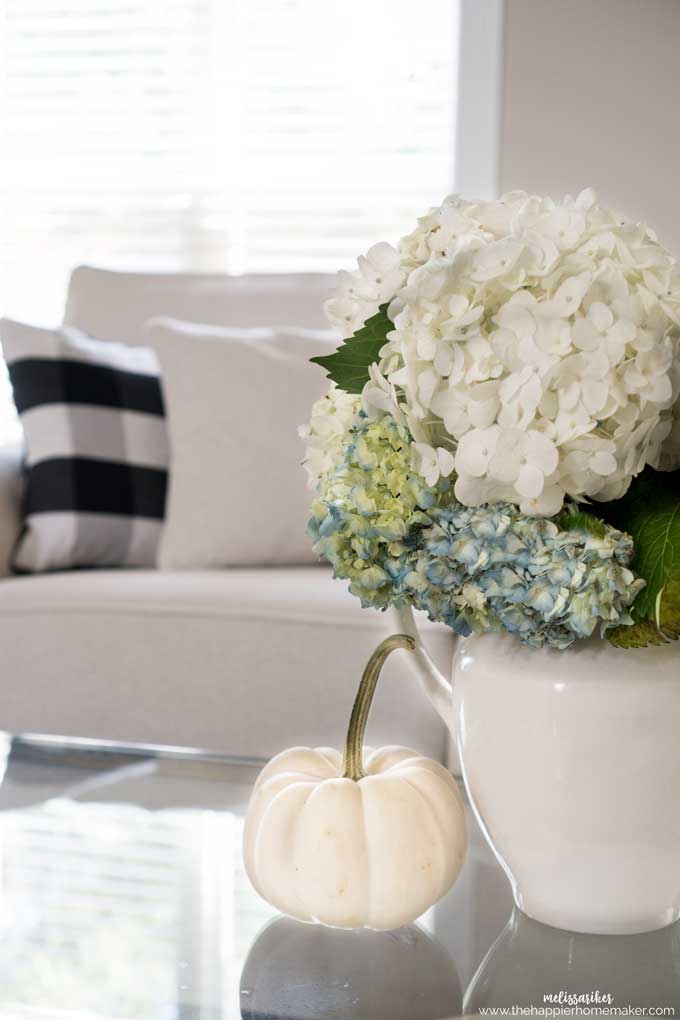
(571, 760)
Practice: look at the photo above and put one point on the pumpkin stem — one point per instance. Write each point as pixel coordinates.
(351, 763)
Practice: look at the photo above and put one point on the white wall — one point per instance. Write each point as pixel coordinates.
(480, 68)
(590, 96)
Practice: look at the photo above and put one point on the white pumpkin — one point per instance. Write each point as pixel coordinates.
(350, 844)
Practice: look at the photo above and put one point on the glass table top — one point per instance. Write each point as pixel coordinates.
(123, 895)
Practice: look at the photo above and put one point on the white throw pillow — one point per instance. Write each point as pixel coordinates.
(234, 399)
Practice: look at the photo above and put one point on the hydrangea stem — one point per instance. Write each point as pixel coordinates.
(352, 762)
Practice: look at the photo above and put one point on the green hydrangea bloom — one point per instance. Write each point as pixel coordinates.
(370, 507)
(398, 541)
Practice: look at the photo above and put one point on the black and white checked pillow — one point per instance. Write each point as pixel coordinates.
(96, 449)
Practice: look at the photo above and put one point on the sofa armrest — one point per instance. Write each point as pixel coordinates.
(11, 486)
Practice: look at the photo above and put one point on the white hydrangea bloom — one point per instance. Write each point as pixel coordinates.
(537, 342)
(325, 435)
(359, 294)
(379, 397)
(432, 463)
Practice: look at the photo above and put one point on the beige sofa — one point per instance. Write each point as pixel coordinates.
(241, 661)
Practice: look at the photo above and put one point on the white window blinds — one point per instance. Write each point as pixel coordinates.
(237, 135)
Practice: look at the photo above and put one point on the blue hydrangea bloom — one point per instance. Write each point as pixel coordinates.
(477, 569)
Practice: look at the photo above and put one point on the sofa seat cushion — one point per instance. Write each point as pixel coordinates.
(245, 662)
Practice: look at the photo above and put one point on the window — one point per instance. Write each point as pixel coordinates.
(225, 135)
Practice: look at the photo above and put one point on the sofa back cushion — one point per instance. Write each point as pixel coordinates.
(112, 305)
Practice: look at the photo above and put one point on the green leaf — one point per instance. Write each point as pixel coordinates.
(669, 608)
(348, 367)
(580, 520)
(650, 513)
(637, 635)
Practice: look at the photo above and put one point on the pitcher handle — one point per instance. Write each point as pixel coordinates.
(431, 680)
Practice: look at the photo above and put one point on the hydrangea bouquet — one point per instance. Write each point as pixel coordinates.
(500, 440)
